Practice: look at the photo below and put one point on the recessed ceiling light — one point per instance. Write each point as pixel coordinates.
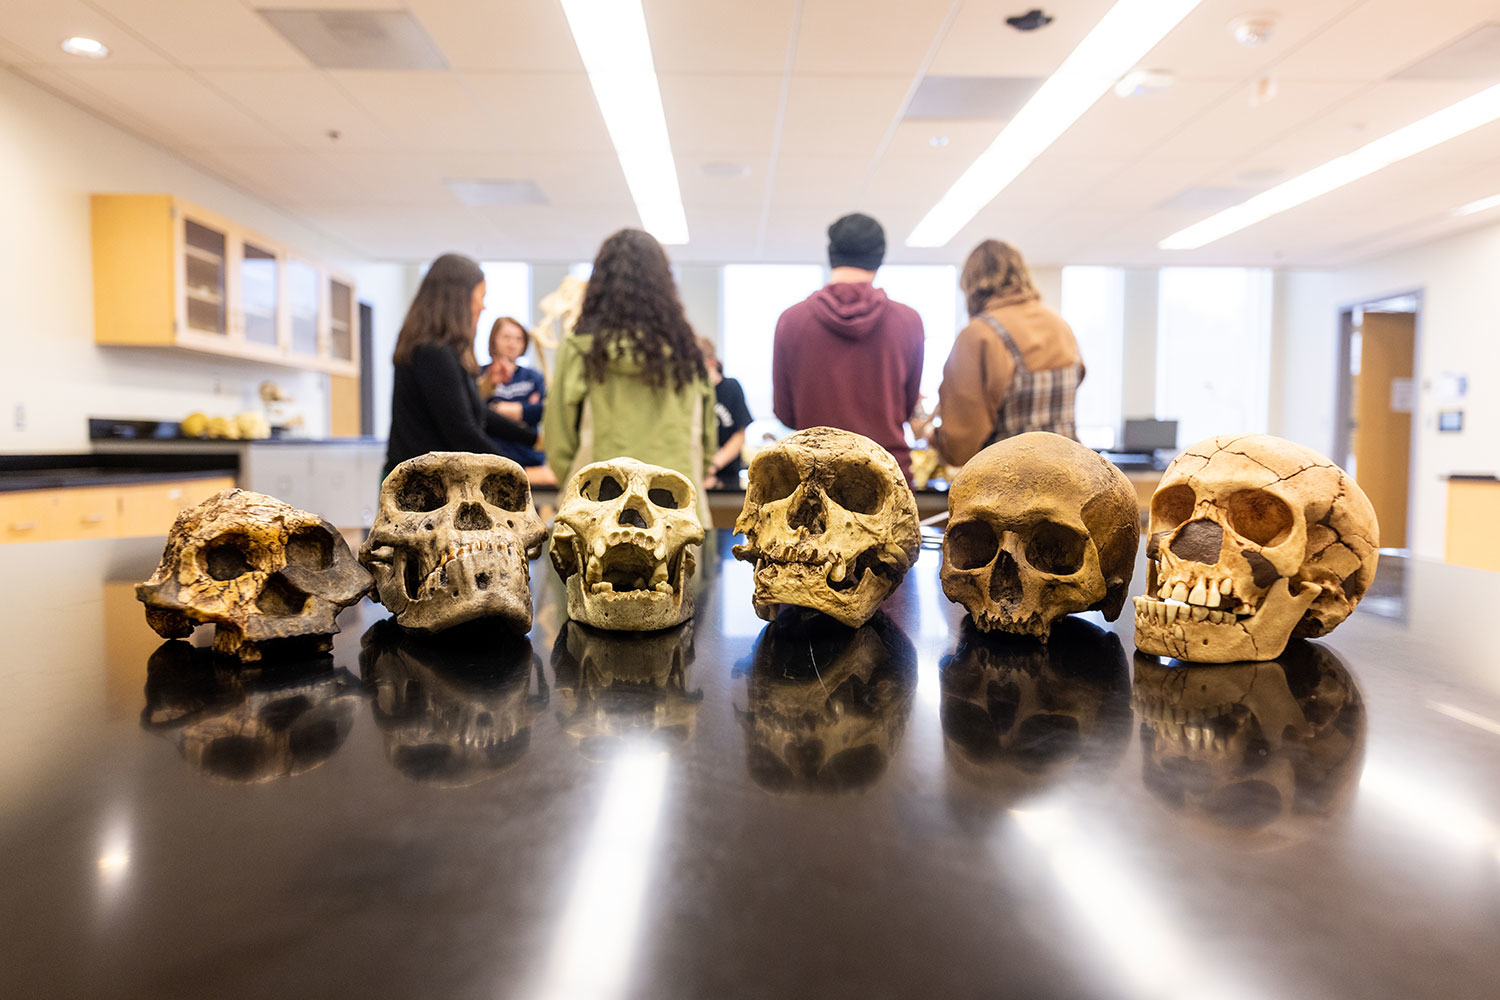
(86, 47)
(937, 141)
(1454, 120)
(616, 51)
(1478, 206)
(1129, 30)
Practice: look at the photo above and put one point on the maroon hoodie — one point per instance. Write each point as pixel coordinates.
(848, 357)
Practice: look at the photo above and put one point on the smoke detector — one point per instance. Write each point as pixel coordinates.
(1252, 30)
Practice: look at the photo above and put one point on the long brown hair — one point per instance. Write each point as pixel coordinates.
(995, 269)
(443, 311)
(631, 307)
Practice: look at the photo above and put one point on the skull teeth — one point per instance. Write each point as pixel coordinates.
(436, 577)
(1167, 613)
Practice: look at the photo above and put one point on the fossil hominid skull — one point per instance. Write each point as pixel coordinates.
(829, 523)
(622, 543)
(257, 569)
(452, 540)
(1039, 527)
(1252, 540)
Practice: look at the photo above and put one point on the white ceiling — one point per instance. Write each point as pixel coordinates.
(809, 95)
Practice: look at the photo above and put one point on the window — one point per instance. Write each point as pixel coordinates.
(507, 292)
(932, 290)
(1213, 350)
(751, 299)
(1093, 303)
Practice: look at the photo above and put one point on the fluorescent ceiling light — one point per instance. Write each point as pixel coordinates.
(1451, 122)
(86, 47)
(611, 38)
(1478, 206)
(1120, 39)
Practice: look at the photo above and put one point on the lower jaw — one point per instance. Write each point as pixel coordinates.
(630, 610)
(808, 588)
(1208, 642)
(506, 597)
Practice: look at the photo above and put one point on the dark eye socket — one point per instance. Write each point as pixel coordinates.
(664, 493)
(772, 477)
(602, 490)
(506, 490)
(1173, 505)
(311, 548)
(857, 488)
(228, 557)
(971, 545)
(422, 491)
(1262, 517)
(1056, 548)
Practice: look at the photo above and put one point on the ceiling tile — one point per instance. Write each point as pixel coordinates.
(1381, 37)
(37, 29)
(822, 183)
(701, 190)
(304, 104)
(868, 37)
(730, 116)
(963, 141)
(690, 36)
(840, 115)
(1202, 47)
(1128, 127)
(1231, 128)
(434, 111)
(980, 43)
(541, 112)
(500, 36)
(208, 34)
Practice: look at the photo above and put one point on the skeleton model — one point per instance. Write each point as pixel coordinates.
(827, 704)
(623, 545)
(1261, 753)
(1039, 527)
(614, 687)
(241, 726)
(1252, 540)
(257, 569)
(1016, 712)
(829, 524)
(452, 540)
(453, 712)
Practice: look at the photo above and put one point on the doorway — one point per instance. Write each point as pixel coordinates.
(1376, 403)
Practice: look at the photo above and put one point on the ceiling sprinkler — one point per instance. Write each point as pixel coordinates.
(1251, 30)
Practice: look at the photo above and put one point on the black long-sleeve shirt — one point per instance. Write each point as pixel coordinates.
(435, 407)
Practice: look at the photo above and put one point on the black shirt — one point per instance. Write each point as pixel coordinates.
(435, 407)
(734, 416)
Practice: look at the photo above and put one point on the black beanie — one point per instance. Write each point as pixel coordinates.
(856, 240)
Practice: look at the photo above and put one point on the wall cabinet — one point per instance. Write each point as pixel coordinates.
(170, 274)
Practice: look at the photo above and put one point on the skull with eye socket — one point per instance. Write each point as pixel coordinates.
(452, 540)
(257, 569)
(1039, 527)
(622, 543)
(1252, 540)
(829, 523)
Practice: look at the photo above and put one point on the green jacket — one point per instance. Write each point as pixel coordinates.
(588, 422)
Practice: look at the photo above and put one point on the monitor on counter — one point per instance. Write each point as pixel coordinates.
(1143, 437)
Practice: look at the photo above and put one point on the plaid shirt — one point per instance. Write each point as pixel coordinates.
(1036, 401)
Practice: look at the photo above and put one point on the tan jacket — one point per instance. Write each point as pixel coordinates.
(979, 370)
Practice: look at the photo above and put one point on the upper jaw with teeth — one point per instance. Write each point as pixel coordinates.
(1201, 599)
(630, 565)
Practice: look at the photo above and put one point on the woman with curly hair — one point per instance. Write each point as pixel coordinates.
(631, 380)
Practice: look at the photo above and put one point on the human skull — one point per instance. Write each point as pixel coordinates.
(622, 545)
(452, 540)
(613, 688)
(1039, 527)
(241, 725)
(1016, 712)
(1260, 752)
(1252, 540)
(829, 523)
(827, 704)
(257, 569)
(453, 711)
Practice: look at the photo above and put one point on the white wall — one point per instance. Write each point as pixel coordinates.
(52, 157)
(1458, 331)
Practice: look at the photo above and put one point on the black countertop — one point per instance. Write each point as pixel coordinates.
(695, 815)
(47, 472)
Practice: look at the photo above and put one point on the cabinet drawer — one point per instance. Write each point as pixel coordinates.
(150, 508)
(28, 517)
(87, 512)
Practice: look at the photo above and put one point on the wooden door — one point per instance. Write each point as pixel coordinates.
(1384, 395)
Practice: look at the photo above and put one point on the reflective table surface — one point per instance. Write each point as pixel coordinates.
(733, 809)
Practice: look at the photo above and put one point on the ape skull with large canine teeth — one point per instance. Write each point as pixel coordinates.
(1039, 527)
(1252, 540)
(452, 540)
(622, 543)
(829, 523)
(257, 569)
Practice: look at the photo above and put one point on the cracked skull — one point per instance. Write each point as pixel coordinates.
(1039, 527)
(1252, 540)
(622, 545)
(829, 523)
(255, 568)
(452, 539)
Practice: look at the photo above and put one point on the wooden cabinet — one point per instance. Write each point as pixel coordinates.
(170, 274)
(130, 511)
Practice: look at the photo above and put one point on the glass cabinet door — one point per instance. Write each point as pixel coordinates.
(302, 300)
(340, 320)
(204, 273)
(258, 294)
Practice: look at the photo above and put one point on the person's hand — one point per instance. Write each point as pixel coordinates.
(711, 481)
(534, 398)
(507, 409)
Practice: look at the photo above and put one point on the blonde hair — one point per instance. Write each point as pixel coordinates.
(995, 269)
